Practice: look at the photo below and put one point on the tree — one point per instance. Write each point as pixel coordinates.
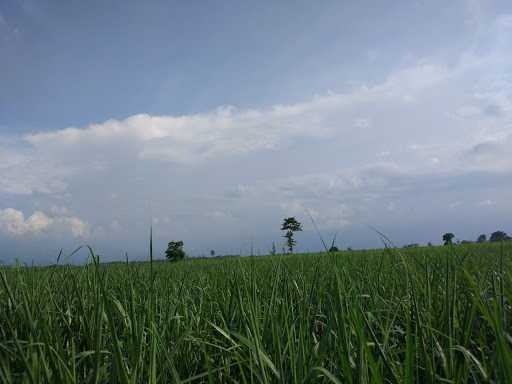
(291, 225)
(334, 248)
(273, 250)
(482, 238)
(448, 238)
(499, 236)
(212, 253)
(175, 251)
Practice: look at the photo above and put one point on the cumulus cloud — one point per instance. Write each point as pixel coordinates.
(182, 139)
(14, 223)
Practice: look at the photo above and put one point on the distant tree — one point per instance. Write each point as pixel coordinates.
(466, 242)
(175, 251)
(499, 236)
(334, 248)
(430, 244)
(273, 249)
(448, 238)
(482, 238)
(212, 253)
(291, 225)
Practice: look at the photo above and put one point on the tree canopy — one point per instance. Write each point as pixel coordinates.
(499, 236)
(175, 251)
(290, 225)
(448, 238)
(482, 238)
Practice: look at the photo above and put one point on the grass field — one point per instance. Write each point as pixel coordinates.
(425, 315)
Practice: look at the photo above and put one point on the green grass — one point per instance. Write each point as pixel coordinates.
(425, 315)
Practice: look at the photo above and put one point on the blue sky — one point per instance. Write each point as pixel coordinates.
(214, 120)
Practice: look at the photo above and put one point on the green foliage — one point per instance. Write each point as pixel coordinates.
(175, 251)
(290, 225)
(333, 247)
(499, 236)
(448, 238)
(482, 238)
(424, 315)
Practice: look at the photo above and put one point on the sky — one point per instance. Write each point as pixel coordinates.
(211, 121)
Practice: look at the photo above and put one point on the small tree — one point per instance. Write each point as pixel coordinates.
(212, 253)
(499, 236)
(334, 248)
(482, 238)
(175, 251)
(448, 238)
(273, 250)
(291, 225)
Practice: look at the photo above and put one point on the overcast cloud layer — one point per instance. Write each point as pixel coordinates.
(423, 150)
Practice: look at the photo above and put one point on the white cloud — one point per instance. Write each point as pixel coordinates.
(78, 228)
(13, 223)
(441, 106)
(183, 140)
(230, 131)
(23, 172)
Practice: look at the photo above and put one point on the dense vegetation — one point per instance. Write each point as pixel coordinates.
(433, 314)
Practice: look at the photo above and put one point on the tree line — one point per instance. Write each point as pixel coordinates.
(291, 225)
(494, 237)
